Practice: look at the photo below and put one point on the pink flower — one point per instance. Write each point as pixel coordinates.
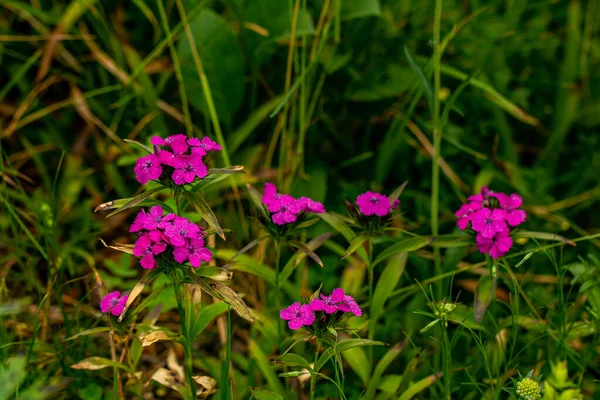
(139, 221)
(510, 204)
(157, 141)
(145, 247)
(167, 158)
(194, 251)
(187, 168)
(155, 219)
(329, 304)
(349, 305)
(181, 230)
(496, 246)
(371, 203)
(113, 303)
(487, 222)
(309, 205)
(465, 214)
(270, 194)
(147, 168)
(483, 196)
(202, 147)
(284, 209)
(297, 315)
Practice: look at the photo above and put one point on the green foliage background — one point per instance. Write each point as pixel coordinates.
(344, 110)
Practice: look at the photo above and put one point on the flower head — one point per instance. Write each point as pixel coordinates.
(496, 246)
(488, 222)
(113, 303)
(309, 205)
(510, 205)
(180, 230)
(371, 203)
(194, 251)
(329, 304)
(156, 220)
(466, 213)
(528, 389)
(285, 209)
(204, 146)
(188, 168)
(147, 248)
(297, 315)
(349, 305)
(139, 221)
(147, 168)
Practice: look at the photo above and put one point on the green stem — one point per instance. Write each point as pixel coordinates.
(371, 333)
(313, 377)
(437, 136)
(187, 343)
(447, 362)
(225, 394)
(278, 290)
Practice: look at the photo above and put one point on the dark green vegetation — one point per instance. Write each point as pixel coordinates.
(328, 98)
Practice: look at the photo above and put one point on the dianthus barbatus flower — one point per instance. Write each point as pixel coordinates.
(180, 230)
(147, 248)
(497, 245)
(182, 157)
(147, 168)
(372, 203)
(113, 303)
(194, 251)
(510, 205)
(297, 315)
(488, 222)
(349, 305)
(285, 208)
(329, 304)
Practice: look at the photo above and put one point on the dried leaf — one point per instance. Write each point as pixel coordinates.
(125, 248)
(155, 336)
(95, 363)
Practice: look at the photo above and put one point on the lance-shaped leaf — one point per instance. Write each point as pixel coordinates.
(544, 236)
(138, 288)
(385, 286)
(205, 212)
(88, 332)
(155, 336)
(214, 273)
(293, 360)
(140, 145)
(418, 387)
(206, 315)
(234, 169)
(293, 262)
(245, 263)
(355, 244)
(208, 181)
(301, 247)
(484, 293)
(256, 199)
(124, 204)
(450, 241)
(396, 193)
(223, 293)
(343, 346)
(125, 248)
(249, 246)
(95, 363)
(403, 246)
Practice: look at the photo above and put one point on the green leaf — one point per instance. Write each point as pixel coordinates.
(295, 260)
(13, 376)
(355, 244)
(207, 214)
(358, 361)
(543, 236)
(293, 360)
(138, 288)
(484, 293)
(245, 263)
(256, 199)
(234, 169)
(236, 138)
(124, 204)
(406, 245)
(343, 346)
(263, 394)
(450, 241)
(396, 193)
(89, 332)
(360, 8)
(385, 286)
(207, 314)
(222, 63)
(302, 248)
(265, 368)
(386, 360)
(424, 81)
(274, 16)
(418, 387)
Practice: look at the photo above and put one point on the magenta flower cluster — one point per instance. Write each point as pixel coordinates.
(372, 203)
(299, 315)
(113, 303)
(491, 215)
(159, 233)
(179, 156)
(284, 208)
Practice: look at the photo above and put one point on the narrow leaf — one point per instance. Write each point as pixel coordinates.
(138, 288)
(406, 245)
(544, 236)
(484, 293)
(205, 212)
(355, 244)
(424, 80)
(133, 201)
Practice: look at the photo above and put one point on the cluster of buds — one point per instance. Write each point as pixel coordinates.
(373, 211)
